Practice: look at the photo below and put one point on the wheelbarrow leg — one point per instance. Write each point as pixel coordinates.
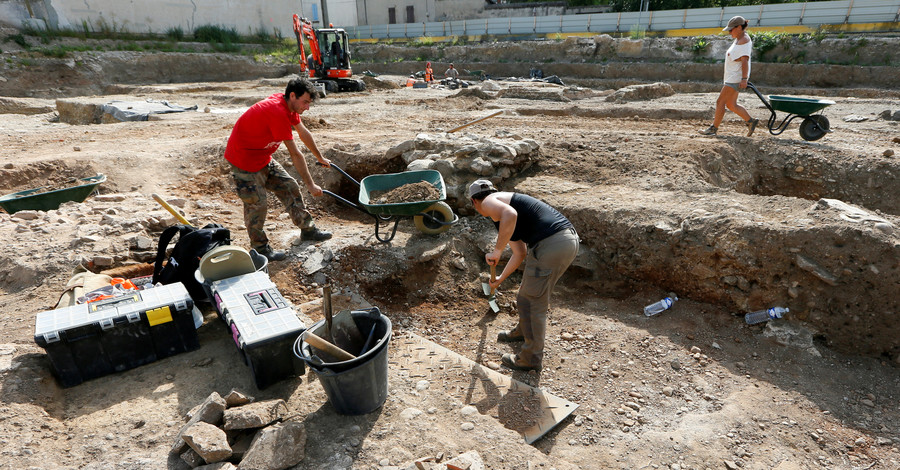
(393, 231)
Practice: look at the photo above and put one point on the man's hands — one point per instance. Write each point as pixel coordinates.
(493, 258)
(324, 162)
(314, 189)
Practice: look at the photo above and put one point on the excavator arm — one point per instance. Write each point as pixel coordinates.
(303, 28)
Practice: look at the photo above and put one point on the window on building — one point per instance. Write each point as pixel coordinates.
(392, 15)
(410, 15)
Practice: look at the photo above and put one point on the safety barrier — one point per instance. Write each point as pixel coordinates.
(852, 15)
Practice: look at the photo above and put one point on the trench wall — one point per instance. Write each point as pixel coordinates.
(838, 277)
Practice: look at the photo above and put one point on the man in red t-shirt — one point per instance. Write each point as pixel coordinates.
(257, 134)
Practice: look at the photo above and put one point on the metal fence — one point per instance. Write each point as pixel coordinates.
(808, 14)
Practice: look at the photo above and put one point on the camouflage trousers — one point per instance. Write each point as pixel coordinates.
(251, 188)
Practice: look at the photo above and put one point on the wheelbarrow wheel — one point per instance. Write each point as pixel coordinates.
(440, 211)
(814, 127)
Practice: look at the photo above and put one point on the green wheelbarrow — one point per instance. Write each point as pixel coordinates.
(48, 198)
(813, 127)
(431, 217)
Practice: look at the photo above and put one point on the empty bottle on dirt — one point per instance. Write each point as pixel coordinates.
(658, 307)
(760, 316)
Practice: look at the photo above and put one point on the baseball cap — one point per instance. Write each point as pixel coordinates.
(734, 23)
(480, 186)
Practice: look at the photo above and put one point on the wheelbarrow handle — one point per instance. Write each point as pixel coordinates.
(341, 171)
(345, 201)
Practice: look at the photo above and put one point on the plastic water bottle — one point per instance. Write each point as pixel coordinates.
(760, 316)
(658, 307)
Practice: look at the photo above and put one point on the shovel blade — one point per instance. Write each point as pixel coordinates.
(345, 332)
(494, 306)
(486, 288)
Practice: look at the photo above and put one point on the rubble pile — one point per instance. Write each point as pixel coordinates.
(99, 233)
(463, 158)
(235, 430)
(642, 92)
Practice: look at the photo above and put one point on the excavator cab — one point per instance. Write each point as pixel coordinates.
(337, 55)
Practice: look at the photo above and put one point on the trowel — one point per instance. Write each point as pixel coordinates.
(488, 291)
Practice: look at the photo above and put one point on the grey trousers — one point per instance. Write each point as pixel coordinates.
(544, 265)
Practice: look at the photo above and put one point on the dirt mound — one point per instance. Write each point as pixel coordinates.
(474, 92)
(413, 192)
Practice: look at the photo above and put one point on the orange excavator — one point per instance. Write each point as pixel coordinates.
(330, 65)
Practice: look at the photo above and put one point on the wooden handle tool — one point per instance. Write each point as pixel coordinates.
(324, 346)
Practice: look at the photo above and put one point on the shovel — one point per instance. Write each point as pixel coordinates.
(342, 330)
(326, 308)
(489, 291)
(345, 332)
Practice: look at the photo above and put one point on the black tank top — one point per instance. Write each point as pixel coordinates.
(536, 221)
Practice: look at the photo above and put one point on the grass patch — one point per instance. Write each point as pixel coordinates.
(213, 33)
(175, 33)
(767, 40)
(57, 52)
(637, 32)
(18, 39)
(700, 44)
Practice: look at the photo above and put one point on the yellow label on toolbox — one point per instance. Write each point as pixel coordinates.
(159, 315)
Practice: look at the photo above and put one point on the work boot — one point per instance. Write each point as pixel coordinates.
(751, 125)
(512, 361)
(506, 336)
(270, 254)
(711, 130)
(314, 235)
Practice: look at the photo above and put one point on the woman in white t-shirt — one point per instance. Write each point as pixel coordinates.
(737, 72)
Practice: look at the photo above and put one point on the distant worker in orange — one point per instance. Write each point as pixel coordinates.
(429, 73)
(411, 81)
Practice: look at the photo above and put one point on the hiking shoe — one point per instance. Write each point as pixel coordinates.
(270, 254)
(511, 360)
(751, 124)
(711, 130)
(314, 235)
(505, 337)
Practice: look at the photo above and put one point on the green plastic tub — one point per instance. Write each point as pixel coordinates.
(34, 199)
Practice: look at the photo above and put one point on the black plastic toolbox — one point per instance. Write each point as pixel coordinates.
(263, 325)
(87, 341)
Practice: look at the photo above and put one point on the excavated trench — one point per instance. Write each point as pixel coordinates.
(752, 225)
(806, 171)
(763, 225)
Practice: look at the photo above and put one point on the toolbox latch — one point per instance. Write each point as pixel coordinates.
(106, 323)
(51, 337)
(159, 315)
(133, 317)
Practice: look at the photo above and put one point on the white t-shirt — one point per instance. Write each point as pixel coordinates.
(733, 72)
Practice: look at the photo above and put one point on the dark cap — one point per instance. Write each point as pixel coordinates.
(734, 23)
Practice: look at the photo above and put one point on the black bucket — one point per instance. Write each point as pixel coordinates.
(358, 386)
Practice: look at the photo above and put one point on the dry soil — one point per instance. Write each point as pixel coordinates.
(691, 388)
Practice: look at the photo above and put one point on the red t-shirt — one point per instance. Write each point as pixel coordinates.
(258, 133)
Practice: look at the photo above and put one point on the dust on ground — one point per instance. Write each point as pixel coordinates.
(691, 388)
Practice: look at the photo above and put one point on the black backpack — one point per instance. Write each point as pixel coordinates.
(192, 244)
